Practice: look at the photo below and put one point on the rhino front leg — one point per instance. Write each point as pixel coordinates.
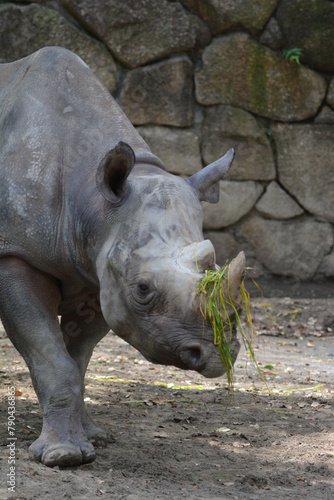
(82, 330)
(28, 306)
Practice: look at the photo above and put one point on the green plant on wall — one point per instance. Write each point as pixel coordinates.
(293, 54)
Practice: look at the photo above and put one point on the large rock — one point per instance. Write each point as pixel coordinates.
(277, 204)
(159, 94)
(140, 31)
(309, 25)
(305, 156)
(178, 149)
(236, 200)
(241, 72)
(25, 29)
(330, 94)
(326, 116)
(231, 14)
(326, 268)
(272, 35)
(225, 127)
(291, 248)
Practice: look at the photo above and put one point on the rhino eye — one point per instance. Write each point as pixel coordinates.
(143, 287)
(144, 293)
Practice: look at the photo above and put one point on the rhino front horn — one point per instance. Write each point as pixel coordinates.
(206, 181)
(236, 275)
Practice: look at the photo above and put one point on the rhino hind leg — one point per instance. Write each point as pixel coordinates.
(97, 436)
(28, 308)
(87, 328)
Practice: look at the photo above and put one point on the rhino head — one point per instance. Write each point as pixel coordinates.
(154, 256)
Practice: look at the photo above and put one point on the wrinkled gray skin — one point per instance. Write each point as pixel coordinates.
(93, 229)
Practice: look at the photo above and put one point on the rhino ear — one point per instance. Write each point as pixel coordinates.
(206, 181)
(112, 173)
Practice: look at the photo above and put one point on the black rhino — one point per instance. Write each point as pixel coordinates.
(95, 230)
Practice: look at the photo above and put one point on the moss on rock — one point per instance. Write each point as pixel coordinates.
(241, 72)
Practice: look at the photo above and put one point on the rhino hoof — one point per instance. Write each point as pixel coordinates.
(64, 454)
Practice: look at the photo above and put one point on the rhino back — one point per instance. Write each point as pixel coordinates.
(57, 122)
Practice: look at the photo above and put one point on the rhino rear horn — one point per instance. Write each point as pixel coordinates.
(113, 171)
(206, 181)
(199, 256)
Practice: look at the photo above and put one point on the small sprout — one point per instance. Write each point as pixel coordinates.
(217, 305)
(293, 54)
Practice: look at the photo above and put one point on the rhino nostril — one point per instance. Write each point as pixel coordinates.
(192, 357)
(195, 356)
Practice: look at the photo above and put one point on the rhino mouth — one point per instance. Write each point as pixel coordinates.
(200, 357)
(189, 359)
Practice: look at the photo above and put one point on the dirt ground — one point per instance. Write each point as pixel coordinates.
(175, 435)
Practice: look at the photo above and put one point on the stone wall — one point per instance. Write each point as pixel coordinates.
(198, 77)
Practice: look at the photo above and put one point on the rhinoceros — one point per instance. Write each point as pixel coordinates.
(95, 235)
